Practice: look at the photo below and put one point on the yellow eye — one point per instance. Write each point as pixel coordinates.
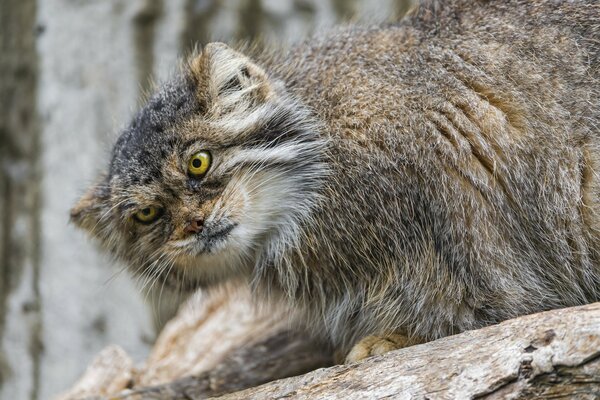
(147, 215)
(199, 163)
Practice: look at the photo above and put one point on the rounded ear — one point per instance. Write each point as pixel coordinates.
(228, 79)
(88, 212)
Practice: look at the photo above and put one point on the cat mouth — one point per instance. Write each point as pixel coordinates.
(218, 234)
(208, 241)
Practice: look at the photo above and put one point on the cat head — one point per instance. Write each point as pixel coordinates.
(220, 167)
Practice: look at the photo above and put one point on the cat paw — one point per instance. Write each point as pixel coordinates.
(377, 345)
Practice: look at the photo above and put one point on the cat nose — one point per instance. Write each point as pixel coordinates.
(195, 226)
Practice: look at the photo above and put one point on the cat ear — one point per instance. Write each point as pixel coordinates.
(87, 213)
(229, 81)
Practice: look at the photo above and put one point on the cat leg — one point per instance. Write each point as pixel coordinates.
(378, 344)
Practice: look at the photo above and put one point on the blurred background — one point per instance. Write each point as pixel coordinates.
(72, 72)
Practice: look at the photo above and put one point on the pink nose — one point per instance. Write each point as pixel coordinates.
(195, 226)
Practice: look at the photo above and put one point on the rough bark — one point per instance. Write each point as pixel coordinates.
(218, 343)
(20, 303)
(555, 354)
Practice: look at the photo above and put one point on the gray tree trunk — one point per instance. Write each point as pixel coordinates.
(20, 301)
(71, 74)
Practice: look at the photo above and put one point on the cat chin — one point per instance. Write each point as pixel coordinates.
(206, 261)
(210, 268)
(185, 280)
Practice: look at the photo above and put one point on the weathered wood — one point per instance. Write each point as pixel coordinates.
(555, 354)
(218, 343)
(278, 356)
(110, 372)
(281, 355)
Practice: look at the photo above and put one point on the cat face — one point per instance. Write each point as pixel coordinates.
(216, 172)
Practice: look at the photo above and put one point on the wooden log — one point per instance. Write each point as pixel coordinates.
(551, 355)
(111, 371)
(555, 354)
(218, 343)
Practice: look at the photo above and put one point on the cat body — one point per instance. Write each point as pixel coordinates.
(418, 179)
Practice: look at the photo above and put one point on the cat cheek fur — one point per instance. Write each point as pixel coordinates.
(90, 209)
(257, 202)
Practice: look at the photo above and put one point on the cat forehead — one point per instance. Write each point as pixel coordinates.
(222, 100)
(153, 134)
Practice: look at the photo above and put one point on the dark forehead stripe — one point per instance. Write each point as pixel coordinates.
(142, 147)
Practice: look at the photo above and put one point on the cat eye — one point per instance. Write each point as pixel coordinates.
(199, 163)
(147, 215)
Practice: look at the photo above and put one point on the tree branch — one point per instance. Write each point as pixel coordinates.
(555, 354)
